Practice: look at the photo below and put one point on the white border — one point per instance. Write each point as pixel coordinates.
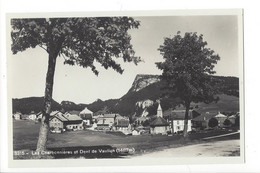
(125, 162)
(252, 29)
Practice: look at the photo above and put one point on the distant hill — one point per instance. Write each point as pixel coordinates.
(226, 103)
(144, 87)
(69, 106)
(26, 105)
(151, 87)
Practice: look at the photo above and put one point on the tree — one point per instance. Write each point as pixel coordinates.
(227, 122)
(237, 122)
(187, 69)
(80, 41)
(213, 122)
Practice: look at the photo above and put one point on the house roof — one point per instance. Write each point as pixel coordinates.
(39, 113)
(72, 117)
(66, 117)
(159, 121)
(205, 116)
(54, 113)
(232, 116)
(86, 111)
(219, 115)
(110, 115)
(60, 117)
(97, 116)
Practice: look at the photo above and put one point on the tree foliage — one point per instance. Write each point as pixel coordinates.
(213, 122)
(227, 122)
(81, 41)
(188, 69)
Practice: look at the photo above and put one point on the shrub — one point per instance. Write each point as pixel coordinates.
(213, 122)
(227, 122)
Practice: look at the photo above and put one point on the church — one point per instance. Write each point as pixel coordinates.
(159, 125)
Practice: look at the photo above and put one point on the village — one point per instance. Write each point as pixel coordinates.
(165, 122)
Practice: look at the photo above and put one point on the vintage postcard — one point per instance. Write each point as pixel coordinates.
(125, 88)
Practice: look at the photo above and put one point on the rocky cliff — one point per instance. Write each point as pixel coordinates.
(142, 80)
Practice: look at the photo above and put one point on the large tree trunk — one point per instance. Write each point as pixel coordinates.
(44, 129)
(185, 131)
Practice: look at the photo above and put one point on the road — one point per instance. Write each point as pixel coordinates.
(207, 149)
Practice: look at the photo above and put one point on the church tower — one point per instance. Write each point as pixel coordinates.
(159, 111)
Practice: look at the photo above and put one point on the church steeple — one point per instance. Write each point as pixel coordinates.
(159, 111)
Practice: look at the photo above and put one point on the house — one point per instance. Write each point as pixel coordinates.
(103, 125)
(86, 115)
(108, 119)
(135, 132)
(32, 116)
(74, 122)
(17, 116)
(95, 118)
(24, 117)
(221, 118)
(123, 124)
(106, 122)
(93, 127)
(141, 120)
(68, 121)
(159, 125)
(57, 123)
(39, 116)
(176, 119)
(232, 119)
(201, 122)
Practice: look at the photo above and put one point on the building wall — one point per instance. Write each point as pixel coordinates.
(17, 116)
(32, 117)
(75, 126)
(159, 130)
(109, 121)
(56, 123)
(178, 125)
(221, 121)
(232, 120)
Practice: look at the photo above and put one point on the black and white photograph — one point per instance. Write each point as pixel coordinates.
(126, 87)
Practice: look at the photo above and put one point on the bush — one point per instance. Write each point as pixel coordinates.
(227, 122)
(213, 122)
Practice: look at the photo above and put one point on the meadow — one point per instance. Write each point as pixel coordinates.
(25, 136)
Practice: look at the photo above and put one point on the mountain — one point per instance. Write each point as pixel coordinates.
(26, 105)
(150, 87)
(141, 99)
(69, 106)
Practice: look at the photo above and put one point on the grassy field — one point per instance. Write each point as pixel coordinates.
(25, 136)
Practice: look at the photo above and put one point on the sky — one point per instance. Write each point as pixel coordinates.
(28, 69)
